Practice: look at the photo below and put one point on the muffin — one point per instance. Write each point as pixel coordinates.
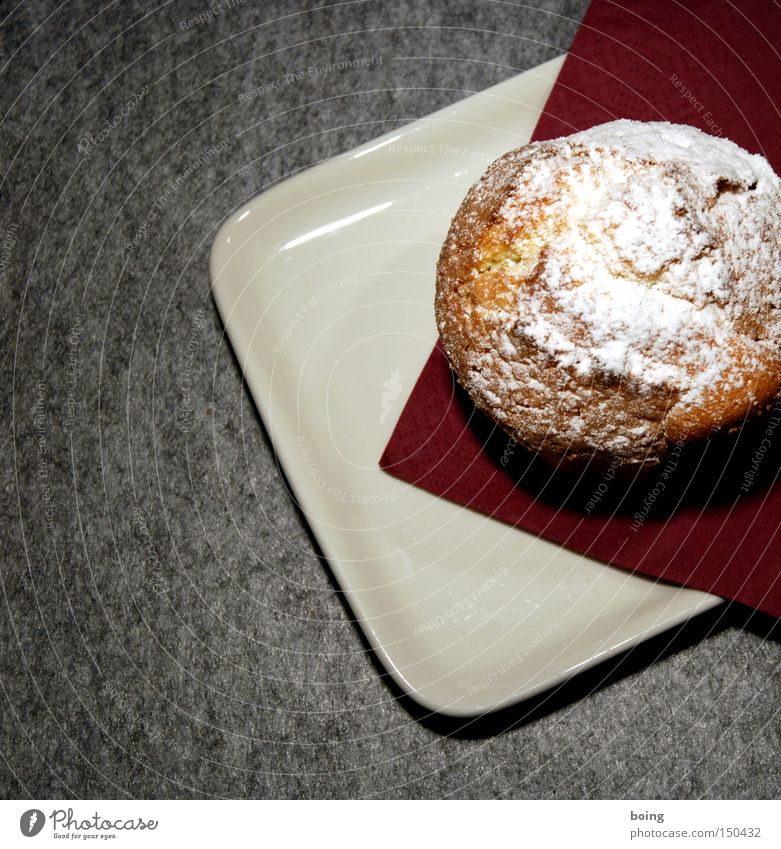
(610, 295)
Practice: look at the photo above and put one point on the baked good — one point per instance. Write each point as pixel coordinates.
(610, 295)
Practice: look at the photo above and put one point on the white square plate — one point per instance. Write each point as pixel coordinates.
(325, 284)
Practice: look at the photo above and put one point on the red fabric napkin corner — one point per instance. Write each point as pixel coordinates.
(709, 519)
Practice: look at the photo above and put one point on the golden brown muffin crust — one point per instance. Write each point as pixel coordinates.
(616, 292)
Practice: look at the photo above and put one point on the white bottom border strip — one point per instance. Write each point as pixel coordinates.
(381, 824)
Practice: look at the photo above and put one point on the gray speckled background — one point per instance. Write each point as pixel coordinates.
(168, 628)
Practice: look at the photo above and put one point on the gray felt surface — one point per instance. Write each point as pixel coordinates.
(168, 628)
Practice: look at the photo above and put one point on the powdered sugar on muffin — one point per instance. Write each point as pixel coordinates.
(633, 272)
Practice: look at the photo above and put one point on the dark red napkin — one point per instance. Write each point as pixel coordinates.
(710, 518)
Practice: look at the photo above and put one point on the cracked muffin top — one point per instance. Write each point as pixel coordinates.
(611, 294)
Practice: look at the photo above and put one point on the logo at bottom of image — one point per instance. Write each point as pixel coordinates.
(67, 824)
(31, 822)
